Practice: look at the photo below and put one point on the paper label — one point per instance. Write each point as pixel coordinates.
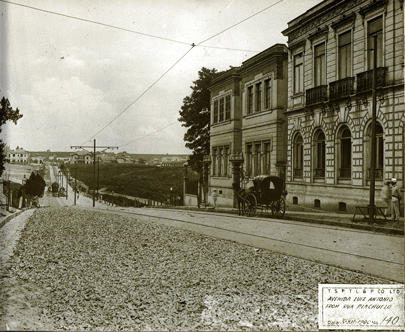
(378, 307)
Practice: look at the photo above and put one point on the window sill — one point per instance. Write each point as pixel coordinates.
(296, 95)
(218, 124)
(260, 113)
(344, 180)
(319, 180)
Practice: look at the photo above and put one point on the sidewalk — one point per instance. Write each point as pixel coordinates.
(319, 217)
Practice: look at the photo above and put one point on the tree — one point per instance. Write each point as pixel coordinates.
(35, 185)
(7, 113)
(195, 115)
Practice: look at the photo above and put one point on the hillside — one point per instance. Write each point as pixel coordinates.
(133, 180)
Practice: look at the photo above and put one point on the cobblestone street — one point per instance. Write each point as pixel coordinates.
(78, 269)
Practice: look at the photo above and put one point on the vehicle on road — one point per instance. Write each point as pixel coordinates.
(267, 193)
(55, 189)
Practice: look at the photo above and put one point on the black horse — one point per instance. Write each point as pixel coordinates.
(240, 194)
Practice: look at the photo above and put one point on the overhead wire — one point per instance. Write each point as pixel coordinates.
(94, 22)
(138, 139)
(192, 46)
(120, 28)
(234, 25)
(217, 34)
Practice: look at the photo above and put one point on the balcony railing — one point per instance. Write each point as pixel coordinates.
(365, 80)
(317, 95)
(345, 173)
(319, 172)
(341, 88)
(298, 172)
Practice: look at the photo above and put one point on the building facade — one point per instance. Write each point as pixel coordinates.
(81, 157)
(330, 104)
(19, 156)
(248, 132)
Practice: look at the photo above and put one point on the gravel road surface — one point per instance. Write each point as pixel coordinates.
(78, 269)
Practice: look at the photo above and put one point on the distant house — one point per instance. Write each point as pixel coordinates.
(81, 157)
(123, 158)
(19, 156)
(63, 159)
(176, 163)
(106, 158)
(153, 162)
(37, 159)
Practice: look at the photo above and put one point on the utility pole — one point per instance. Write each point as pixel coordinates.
(75, 191)
(373, 138)
(98, 174)
(94, 162)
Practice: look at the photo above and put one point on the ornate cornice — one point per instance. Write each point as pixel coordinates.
(318, 18)
(297, 44)
(320, 32)
(344, 19)
(375, 4)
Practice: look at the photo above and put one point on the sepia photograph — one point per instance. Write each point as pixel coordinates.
(202, 165)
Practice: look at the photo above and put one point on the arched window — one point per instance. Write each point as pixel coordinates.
(345, 163)
(298, 158)
(379, 165)
(319, 154)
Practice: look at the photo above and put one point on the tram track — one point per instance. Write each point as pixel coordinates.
(376, 254)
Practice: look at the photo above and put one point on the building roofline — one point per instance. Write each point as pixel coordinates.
(276, 49)
(311, 14)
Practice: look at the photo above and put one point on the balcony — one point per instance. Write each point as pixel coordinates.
(341, 88)
(317, 95)
(365, 80)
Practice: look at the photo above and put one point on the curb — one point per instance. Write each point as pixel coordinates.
(10, 217)
(369, 228)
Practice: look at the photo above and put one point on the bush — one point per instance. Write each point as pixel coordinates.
(35, 185)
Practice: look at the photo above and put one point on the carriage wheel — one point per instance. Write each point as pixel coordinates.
(250, 205)
(278, 208)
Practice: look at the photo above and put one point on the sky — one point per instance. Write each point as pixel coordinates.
(117, 71)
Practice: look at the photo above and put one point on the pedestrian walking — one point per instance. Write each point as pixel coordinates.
(386, 196)
(396, 197)
(214, 197)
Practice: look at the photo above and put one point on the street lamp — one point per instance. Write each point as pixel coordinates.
(24, 181)
(67, 184)
(59, 177)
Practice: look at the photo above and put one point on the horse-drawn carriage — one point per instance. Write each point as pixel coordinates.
(55, 189)
(267, 193)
